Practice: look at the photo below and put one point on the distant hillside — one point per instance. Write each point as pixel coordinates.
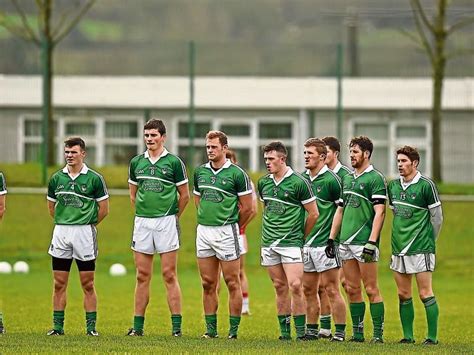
(239, 37)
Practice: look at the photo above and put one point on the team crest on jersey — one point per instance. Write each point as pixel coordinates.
(319, 188)
(286, 194)
(83, 188)
(361, 186)
(413, 196)
(164, 171)
(224, 181)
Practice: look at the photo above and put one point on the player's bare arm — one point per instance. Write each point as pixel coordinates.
(133, 193)
(246, 211)
(377, 224)
(336, 223)
(51, 205)
(103, 210)
(183, 199)
(312, 217)
(2, 206)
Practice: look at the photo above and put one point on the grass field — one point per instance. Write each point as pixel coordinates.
(25, 235)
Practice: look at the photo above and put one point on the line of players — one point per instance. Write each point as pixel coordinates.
(313, 223)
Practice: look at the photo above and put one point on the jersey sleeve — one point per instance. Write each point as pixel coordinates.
(180, 175)
(3, 185)
(51, 196)
(389, 189)
(259, 189)
(100, 191)
(431, 194)
(196, 189)
(242, 183)
(132, 178)
(305, 193)
(379, 188)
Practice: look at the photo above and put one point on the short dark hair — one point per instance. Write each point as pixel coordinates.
(73, 141)
(218, 134)
(333, 143)
(364, 143)
(155, 123)
(410, 152)
(276, 146)
(319, 144)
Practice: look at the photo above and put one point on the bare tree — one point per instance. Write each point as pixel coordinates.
(46, 36)
(432, 37)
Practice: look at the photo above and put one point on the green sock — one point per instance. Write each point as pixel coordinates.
(138, 323)
(432, 314)
(340, 330)
(357, 315)
(285, 325)
(176, 320)
(407, 316)
(58, 320)
(312, 329)
(211, 324)
(377, 311)
(234, 322)
(91, 320)
(325, 321)
(300, 325)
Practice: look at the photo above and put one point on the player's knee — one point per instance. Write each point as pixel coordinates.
(332, 291)
(404, 295)
(233, 284)
(425, 293)
(88, 286)
(309, 291)
(209, 286)
(143, 276)
(372, 292)
(296, 286)
(60, 286)
(353, 291)
(170, 277)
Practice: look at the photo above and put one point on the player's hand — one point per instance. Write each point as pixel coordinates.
(330, 249)
(368, 254)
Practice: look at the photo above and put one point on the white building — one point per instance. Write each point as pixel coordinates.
(108, 112)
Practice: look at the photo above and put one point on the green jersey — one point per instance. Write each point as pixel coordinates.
(219, 193)
(76, 198)
(327, 188)
(358, 196)
(412, 231)
(156, 183)
(341, 170)
(3, 184)
(284, 214)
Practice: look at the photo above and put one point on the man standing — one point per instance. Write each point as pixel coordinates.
(158, 187)
(3, 194)
(287, 196)
(416, 225)
(318, 268)
(361, 212)
(332, 160)
(78, 201)
(220, 187)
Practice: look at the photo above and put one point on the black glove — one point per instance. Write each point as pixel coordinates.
(330, 249)
(368, 254)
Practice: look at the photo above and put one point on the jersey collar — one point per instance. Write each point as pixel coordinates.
(368, 170)
(287, 174)
(321, 172)
(147, 155)
(225, 166)
(337, 167)
(84, 170)
(412, 182)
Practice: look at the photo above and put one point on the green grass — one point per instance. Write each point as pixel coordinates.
(25, 235)
(29, 175)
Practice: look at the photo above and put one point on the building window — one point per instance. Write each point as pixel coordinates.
(389, 135)
(275, 131)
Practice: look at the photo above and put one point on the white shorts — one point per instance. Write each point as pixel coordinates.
(219, 241)
(315, 260)
(271, 256)
(243, 244)
(413, 264)
(155, 235)
(74, 242)
(348, 252)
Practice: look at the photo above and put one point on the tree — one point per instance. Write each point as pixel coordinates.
(47, 36)
(432, 38)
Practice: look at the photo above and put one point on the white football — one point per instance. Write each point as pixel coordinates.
(117, 270)
(5, 267)
(21, 267)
